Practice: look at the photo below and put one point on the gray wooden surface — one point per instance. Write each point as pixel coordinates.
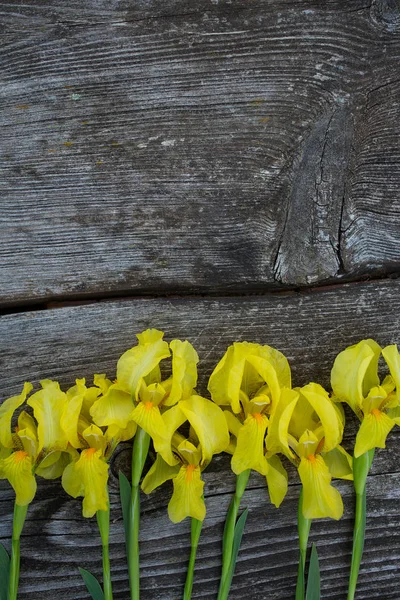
(311, 328)
(164, 146)
(200, 163)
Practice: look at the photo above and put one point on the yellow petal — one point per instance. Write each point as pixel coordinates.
(189, 453)
(392, 358)
(355, 372)
(100, 380)
(159, 472)
(184, 371)
(187, 498)
(117, 434)
(27, 433)
(52, 467)
(209, 423)
(7, 409)
(249, 452)
(280, 364)
(88, 477)
(70, 417)
(48, 407)
(149, 418)
(233, 423)
(268, 374)
(320, 498)
(277, 480)
(173, 418)
(95, 438)
(277, 436)
(227, 378)
(327, 414)
(114, 408)
(373, 432)
(141, 360)
(17, 468)
(339, 463)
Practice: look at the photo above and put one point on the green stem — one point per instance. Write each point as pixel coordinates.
(361, 467)
(18, 524)
(103, 521)
(229, 533)
(141, 444)
(195, 536)
(304, 526)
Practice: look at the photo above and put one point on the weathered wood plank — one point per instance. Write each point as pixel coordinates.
(162, 146)
(310, 328)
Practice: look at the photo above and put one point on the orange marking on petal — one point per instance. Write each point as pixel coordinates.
(189, 472)
(258, 417)
(311, 458)
(90, 452)
(148, 405)
(377, 413)
(20, 455)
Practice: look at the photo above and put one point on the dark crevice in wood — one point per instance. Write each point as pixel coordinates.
(82, 299)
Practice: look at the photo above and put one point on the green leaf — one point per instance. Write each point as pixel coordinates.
(93, 586)
(237, 539)
(4, 572)
(125, 493)
(313, 582)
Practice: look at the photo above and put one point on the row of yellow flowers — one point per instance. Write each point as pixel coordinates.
(254, 414)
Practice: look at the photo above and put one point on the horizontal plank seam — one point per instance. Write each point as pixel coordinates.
(85, 299)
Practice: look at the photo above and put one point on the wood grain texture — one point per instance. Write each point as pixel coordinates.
(311, 328)
(155, 146)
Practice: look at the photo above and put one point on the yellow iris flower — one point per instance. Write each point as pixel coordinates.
(191, 459)
(254, 380)
(36, 447)
(309, 434)
(355, 380)
(87, 476)
(141, 398)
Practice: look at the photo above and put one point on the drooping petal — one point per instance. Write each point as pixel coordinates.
(278, 429)
(17, 468)
(355, 372)
(173, 418)
(249, 452)
(48, 407)
(159, 472)
(72, 411)
(339, 463)
(114, 408)
(187, 498)
(373, 432)
(141, 360)
(209, 423)
(88, 477)
(327, 414)
(320, 498)
(7, 409)
(184, 371)
(277, 480)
